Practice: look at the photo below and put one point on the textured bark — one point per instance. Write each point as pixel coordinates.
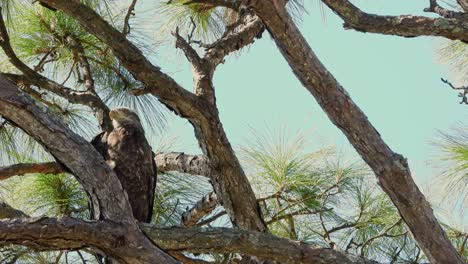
(405, 26)
(436, 8)
(391, 169)
(165, 162)
(203, 207)
(27, 168)
(71, 234)
(262, 245)
(80, 158)
(112, 238)
(183, 163)
(229, 180)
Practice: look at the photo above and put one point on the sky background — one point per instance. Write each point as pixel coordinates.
(394, 80)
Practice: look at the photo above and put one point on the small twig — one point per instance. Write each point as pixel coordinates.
(114, 69)
(463, 94)
(130, 12)
(69, 73)
(434, 7)
(40, 66)
(211, 219)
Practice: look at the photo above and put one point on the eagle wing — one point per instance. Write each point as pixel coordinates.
(129, 154)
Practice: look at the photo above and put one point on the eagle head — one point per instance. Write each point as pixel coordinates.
(123, 117)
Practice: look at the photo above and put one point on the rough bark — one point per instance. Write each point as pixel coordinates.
(27, 168)
(112, 238)
(262, 245)
(405, 26)
(79, 157)
(228, 178)
(183, 163)
(203, 207)
(165, 162)
(391, 169)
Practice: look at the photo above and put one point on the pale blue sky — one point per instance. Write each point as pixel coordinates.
(395, 81)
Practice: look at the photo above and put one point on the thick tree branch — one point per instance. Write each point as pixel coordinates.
(73, 234)
(81, 159)
(226, 240)
(405, 26)
(155, 81)
(165, 162)
(391, 169)
(240, 34)
(69, 233)
(184, 163)
(27, 168)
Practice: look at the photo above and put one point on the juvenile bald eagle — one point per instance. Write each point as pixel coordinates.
(129, 154)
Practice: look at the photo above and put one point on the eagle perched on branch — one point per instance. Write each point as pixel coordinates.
(129, 154)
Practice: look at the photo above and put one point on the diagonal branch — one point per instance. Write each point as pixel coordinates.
(228, 178)
(155, 81)
(405, 26)
(238, 35)
(77, 155)
(391, 169)
(197, 63)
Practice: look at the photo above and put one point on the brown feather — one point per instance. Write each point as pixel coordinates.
(127, 151)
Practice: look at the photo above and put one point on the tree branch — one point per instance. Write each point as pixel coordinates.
(390, 168)
(74, 234)
(165, 162)
(68, 148)
(110, 237)
(434, 7)
(463, 94)
(168, 90)
(183, 163)
(203, 207)
(130, 12)
(27, 168)
(405, 26)
(261, 245)
(238, 35)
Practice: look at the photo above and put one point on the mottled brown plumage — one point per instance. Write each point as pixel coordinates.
(127, 151)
